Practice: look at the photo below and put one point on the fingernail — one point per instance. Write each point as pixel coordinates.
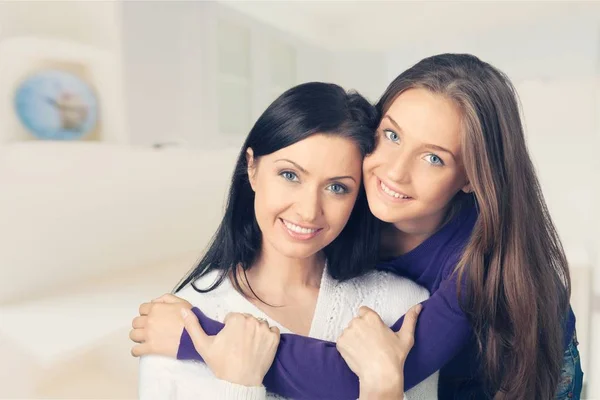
(184, 313)
(419, 308)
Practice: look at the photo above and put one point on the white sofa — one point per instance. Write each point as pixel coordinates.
(88, 231)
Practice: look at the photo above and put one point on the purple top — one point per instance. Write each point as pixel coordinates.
(306, 368)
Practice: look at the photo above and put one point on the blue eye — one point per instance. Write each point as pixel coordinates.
(391, 136)
(434, 160)
(338, 189)
(289, 176)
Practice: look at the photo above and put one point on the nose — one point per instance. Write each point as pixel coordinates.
(399, 168)
(308, 205)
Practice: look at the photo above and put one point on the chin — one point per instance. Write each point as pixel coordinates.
(382, 212)
(296, 252)
(399, 218)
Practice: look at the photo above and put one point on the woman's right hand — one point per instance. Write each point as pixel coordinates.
(376, 354)
(241, 353)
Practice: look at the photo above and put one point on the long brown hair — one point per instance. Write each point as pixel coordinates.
(517, 281)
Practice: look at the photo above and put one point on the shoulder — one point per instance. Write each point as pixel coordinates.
(215, 303)
(404, 287)
(383, 283)
(391, 295)
(164, 377)
(387, 294)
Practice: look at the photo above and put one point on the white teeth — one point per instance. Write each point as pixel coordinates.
(392, 193)
(298, 229)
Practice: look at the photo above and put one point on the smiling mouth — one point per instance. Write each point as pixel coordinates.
(300, 232)
(391, 193)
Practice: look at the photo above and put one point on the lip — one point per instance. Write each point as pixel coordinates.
(300, 236)
(387, 197)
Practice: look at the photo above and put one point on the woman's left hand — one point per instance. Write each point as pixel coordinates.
(376, 354)
(159, 326)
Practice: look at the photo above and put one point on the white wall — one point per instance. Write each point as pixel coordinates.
(540, 49)
(363, 71)
(91, 23)
(314, 64)
(163, 67)
(169, 53)
(560, 124)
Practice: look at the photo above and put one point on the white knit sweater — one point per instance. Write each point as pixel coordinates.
(163, 378)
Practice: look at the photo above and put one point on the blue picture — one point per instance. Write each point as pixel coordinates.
(56, 105)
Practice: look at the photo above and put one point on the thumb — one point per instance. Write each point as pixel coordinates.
(407, 331)
(364, 310)
(193, 328)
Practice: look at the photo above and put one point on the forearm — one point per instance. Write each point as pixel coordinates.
(186, 350)
(301, 363)
(310, 369)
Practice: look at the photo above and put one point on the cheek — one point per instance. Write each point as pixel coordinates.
(368, 164)
(338, 212)
(269, 202)
(376, 159)
(438, 187)
(380, 153)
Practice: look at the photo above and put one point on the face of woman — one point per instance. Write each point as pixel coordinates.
(304, 193)
(416, 168)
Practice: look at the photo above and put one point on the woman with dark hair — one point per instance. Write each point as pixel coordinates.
(294, 253)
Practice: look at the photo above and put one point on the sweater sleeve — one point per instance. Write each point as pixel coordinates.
(442, 332)
(164, 378)
(223, 390)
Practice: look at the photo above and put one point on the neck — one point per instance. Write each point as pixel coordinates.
(406, 242)
(274, 277)
(407, 235)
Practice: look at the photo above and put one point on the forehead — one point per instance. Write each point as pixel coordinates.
(323, 154)
(428, 117)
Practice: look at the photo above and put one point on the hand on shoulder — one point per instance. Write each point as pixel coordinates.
(376, 354)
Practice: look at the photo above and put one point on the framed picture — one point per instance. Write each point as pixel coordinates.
(60, 91)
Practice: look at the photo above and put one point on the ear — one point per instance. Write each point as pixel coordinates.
(467, 188)
(251, 169)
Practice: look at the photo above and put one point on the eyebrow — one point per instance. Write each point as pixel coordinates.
(428, 145)
(334, 178)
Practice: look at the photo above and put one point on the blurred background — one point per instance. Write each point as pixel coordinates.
(120, 122)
